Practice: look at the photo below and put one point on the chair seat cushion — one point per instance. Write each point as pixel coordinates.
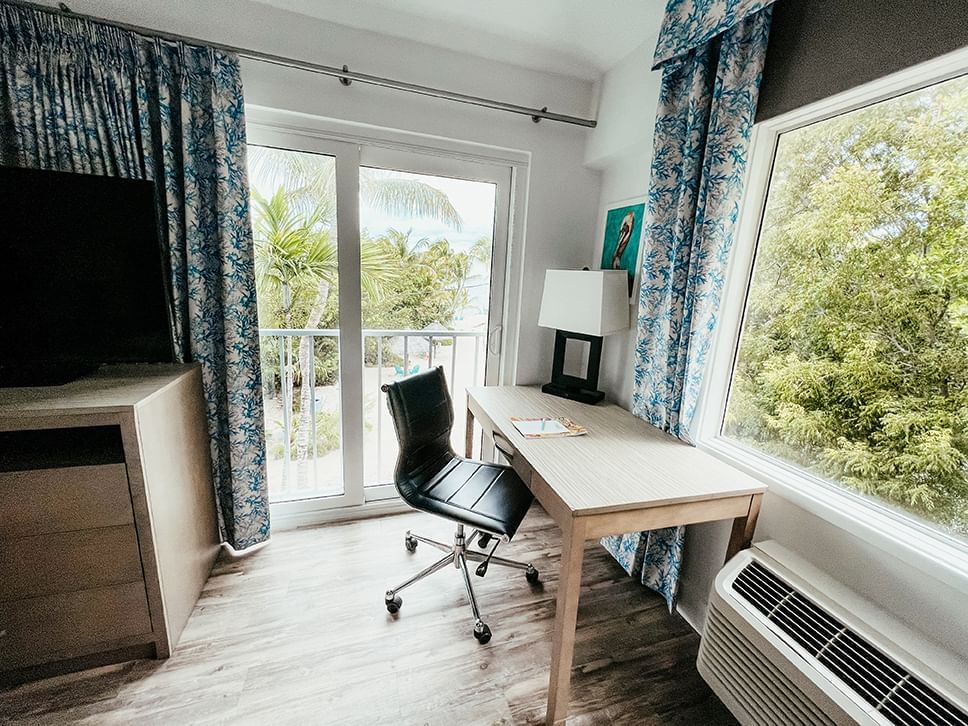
(489, 496)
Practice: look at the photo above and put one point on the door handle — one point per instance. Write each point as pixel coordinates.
(495, 339)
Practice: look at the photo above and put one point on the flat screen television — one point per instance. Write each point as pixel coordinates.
(83, 281)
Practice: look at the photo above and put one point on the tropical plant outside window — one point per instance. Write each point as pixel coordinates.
(853, 356)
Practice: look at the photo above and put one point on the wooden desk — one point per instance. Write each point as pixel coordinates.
(624, 476)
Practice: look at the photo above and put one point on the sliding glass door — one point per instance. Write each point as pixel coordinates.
(372, 264)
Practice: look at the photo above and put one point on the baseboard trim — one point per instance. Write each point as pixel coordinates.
(283, 522)
(691, 619)
(139, 651)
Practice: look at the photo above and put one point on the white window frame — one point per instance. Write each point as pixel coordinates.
(931, 551)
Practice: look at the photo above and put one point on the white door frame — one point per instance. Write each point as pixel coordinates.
(353, 147)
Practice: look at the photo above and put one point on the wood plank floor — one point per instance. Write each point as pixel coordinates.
(296, 633)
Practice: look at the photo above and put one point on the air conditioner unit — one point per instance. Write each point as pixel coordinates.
(785, 644)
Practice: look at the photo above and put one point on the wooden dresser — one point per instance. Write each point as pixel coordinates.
(108, 528)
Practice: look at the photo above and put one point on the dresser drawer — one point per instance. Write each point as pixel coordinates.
(60, 500)
(29, 449)
(31, 630)
(67, 561)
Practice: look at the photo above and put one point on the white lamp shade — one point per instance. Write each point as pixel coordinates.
(593, 302)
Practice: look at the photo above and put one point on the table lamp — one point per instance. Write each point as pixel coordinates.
(582, 305)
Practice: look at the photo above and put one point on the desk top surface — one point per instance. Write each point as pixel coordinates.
(622, 462)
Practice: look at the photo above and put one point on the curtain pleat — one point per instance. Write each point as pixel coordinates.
(87, 97)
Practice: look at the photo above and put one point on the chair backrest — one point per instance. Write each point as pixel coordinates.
(423, 416)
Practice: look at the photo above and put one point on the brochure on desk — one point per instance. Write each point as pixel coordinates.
(547, 428)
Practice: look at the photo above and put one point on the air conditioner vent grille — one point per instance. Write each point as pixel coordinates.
(899, 696)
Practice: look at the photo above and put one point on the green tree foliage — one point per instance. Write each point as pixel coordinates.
(431, 284)
(854, 356)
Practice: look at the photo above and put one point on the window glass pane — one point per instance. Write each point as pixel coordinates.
(853, 358)
(294, 226)
(425, 253)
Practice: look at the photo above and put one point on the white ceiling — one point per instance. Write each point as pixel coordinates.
(581, 38)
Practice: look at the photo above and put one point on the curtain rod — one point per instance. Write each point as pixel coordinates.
(344, 75)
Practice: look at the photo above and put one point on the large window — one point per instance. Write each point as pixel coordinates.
(852, 362)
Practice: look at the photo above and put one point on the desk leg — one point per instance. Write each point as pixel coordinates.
(566, 616)
(469, 435)
(743, 528)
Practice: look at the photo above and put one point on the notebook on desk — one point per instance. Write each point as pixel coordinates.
(547, 428)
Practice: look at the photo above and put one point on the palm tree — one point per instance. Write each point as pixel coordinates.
(290, 248)
(294, 246)
(312, 180)
(453, 268)
(399, 242)
(481, 251)
(296, 251)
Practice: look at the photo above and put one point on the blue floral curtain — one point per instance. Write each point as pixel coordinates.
(711, 54)
(87, 97)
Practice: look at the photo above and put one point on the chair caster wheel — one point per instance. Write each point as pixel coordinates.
(531, 574)
(393, 603)
(410, 543)
(484, 541)
(482, 632)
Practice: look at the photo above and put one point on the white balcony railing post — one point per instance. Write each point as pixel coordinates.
(379, 402)
(453, 364)
(476, 357)
(286, 406)
(312, 402)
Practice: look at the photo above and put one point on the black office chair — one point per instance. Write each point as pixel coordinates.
(432, 478)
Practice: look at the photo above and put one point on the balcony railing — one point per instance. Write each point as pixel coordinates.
(310, 465)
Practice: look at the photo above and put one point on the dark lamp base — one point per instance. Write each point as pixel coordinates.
(573, 394)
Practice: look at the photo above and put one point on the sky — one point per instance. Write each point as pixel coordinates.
(473, 200)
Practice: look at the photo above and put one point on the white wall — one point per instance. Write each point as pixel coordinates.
(621, 148)
(562, 194)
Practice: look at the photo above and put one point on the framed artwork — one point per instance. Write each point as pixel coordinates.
(622, 236)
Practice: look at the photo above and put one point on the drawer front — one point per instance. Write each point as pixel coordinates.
(62, 500)
(32, 630)
(29, 449)
(68, 561)
(518, 462)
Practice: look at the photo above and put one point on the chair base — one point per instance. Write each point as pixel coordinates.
(458, 555)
